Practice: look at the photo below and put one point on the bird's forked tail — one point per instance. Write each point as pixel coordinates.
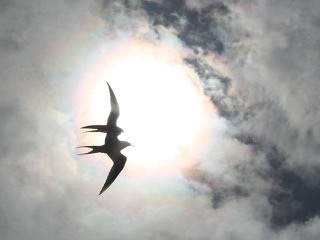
(95, 149)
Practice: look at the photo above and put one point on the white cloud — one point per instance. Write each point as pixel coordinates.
(46, 193)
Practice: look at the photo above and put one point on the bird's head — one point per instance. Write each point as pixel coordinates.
(118, 131)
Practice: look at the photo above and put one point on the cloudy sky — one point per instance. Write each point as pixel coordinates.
(220, 98)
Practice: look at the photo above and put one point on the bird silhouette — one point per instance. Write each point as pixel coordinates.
(111, 126)
(113, 145)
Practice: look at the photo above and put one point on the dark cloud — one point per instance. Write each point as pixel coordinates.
(207, 73)
(7, 44)
(294, 200)
(196, 29)
(4, 4)
(217, 87)
(251, 141)
(226, 193)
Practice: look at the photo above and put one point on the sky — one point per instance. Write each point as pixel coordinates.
(219, 98)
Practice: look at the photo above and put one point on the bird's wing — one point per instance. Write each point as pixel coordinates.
(114, 113)
(118, 163)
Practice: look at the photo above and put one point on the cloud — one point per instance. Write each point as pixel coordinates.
(278, 69)
(270, 96)
(256, 60)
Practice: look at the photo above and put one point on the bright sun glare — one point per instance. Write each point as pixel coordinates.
(162, 111)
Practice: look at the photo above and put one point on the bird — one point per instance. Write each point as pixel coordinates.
(112, 146)
(119, 160)
(111, 126)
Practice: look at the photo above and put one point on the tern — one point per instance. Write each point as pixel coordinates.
(113, 145)
(111, 126)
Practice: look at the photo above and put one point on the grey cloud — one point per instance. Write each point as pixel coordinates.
(277, 118)
(8, 44)
(33, 170)
(13, 123)
(283, 63)
(269, 155)
(4, 4)
(287, 74)
(195, 29)
(217, 87)
(293, 199)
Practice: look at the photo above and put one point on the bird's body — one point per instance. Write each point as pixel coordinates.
(113, 145)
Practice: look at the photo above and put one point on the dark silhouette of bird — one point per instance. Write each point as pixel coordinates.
(112, 145)
(113, 151)
(111, 126)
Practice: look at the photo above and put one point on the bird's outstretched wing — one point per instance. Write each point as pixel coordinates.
(111, 126)
(114, 112)
(118, 163)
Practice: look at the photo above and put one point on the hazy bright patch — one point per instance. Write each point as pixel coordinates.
(162, 110)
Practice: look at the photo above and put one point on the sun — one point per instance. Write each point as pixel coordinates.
(163, 111)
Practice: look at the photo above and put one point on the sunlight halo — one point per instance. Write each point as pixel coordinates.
(162, 109)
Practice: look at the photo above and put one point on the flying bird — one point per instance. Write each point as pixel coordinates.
(112, 145)
(111, 126)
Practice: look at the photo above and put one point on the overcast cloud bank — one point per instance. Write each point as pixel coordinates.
(258, 61)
